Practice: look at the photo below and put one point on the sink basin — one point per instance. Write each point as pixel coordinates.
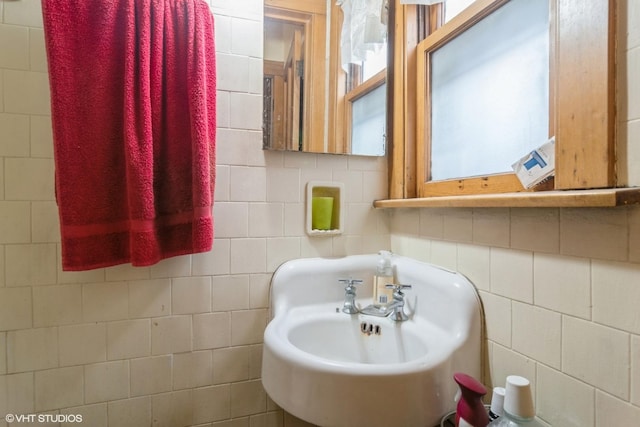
(334, 369)
(325, 334)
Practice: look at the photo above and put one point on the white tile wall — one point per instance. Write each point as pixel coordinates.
(231, 292)
(491, 227)
(536, 333)
(172, 409)
(17, 393)
(587, 347)
(579, 409)
(14, 131)
(57, 305)
(192, 370)
(178, 342)
(3, 353)
(535, 229)
(211, 330)
(128, 339)
(635, 370)
(14, 42)
(105, 301)
(150, 375)
(191, 295)
(129, 412)
(511, 274)
(568, 322)
(32, 349)
(458, 225)
(497, 317)
(59, 388)
(28, 14)
(615, 290)
(29, 179)
(563, 284)
(15, 226)
(82, 344)
(596, 233)
(44, 224)
(170, 335)
(17, 299)
(106, 381)
(181, 341)
(33, 264)
(211, 403)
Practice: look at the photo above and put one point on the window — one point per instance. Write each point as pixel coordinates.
(580, 102)
(489, 93)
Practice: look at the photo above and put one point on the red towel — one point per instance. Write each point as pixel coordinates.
(133, 90)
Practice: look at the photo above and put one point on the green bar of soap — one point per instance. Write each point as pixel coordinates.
(321, 213)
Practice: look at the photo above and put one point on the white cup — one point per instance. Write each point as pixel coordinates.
(497, 400)
(518, 400)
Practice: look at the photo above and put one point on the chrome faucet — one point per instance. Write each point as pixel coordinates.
(349, 305)
(396, 307)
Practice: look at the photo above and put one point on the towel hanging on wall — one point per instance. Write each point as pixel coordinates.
(133, 91)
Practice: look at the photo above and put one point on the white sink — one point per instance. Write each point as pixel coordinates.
(334, 369)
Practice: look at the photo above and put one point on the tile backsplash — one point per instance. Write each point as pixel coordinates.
(564, 315)
(560, 287)
(179, 343)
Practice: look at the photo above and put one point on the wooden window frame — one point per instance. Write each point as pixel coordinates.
(582, 99)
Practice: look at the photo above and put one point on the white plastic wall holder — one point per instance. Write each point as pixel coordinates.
(326, 189)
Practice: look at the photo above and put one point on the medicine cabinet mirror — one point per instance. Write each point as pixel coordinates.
(324, 72)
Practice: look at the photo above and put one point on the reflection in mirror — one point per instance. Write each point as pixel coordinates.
(363, 47)
(294, 75)
(324, 76)
(283, 81)
(368, 121)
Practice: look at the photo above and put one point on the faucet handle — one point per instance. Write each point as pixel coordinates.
(350, 281)
(397, 287)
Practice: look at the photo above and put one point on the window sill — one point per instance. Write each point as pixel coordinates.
(609, 197)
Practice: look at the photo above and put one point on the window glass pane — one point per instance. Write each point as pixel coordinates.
(368, 123)
(490, 92)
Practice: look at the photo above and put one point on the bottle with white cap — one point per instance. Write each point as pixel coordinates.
(518, 409)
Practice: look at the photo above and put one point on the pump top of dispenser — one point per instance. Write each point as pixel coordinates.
(470, 410)
(383, 267)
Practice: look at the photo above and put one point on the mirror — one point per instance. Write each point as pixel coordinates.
(324, 76)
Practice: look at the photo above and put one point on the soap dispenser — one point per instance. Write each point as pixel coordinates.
(383, 277)
(470, 411)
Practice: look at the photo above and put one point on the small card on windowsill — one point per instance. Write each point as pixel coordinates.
(536, 166)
